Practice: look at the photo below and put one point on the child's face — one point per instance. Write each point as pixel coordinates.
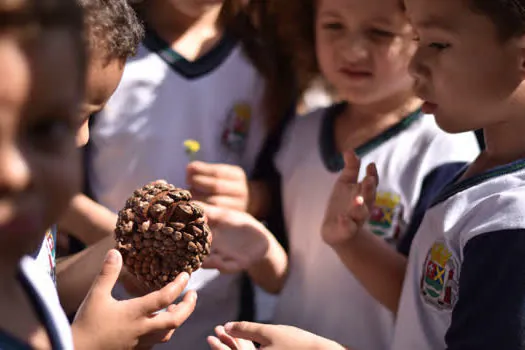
(195, 8)
(461, 66)
(363, 48)
(39, 163)
(102, 80)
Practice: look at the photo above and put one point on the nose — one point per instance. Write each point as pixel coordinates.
(14, 171)
(417, 67)
(354, 48)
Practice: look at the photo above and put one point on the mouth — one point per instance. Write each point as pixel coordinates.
(357, 74)
(19, 223)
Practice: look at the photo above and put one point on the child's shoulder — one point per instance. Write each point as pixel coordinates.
(490, 202)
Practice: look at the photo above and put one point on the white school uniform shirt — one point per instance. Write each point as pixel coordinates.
(467, 259)
(320, 294)
(40, 290)
(162, 101)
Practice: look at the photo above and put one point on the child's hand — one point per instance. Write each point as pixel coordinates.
(239, 240)
(105, 323)
(223, 341)
(350, 203)
(240, 335)
(218, 184)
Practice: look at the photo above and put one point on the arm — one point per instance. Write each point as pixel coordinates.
(490, 309)
(271, 271)
(87, 220)
(378, 267)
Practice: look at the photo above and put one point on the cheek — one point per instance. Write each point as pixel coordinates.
(59, 180)
(326, 57)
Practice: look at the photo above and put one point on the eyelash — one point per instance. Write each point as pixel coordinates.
(381, 33)
(434, 45)
(333, 26)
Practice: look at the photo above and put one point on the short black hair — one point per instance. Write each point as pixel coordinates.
(507, 15)
(112, 28)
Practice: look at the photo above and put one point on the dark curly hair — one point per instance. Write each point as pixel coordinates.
(112, 28)
(507, 15)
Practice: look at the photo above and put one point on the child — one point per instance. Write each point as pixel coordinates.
(38, 160)
(365, 60)
(39, 174)
(470, 64)
(191, 79)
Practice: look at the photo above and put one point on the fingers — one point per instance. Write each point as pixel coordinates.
(164, 297)
(369, 185)
(223, 171)
(108, 276)
(255, 332)
(225, 338)
(216, 344)
(214, 185)
(350, 172)
(224, 201)
(175, 315)
(358, 212)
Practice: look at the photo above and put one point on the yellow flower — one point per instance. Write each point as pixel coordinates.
(192, 147)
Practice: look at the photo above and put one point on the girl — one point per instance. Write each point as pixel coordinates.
(363, 49)
(204, 72)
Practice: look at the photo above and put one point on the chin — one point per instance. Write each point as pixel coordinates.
(450, 125)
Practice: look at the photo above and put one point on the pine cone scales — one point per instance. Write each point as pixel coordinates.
(161, 234)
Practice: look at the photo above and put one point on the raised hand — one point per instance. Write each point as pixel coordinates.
(350, 203)
(222, 185)
(105, 323)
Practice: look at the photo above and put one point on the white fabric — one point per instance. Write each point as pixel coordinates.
(139, 138)
(320, 294)
(46, 255)
(431, 281)
(45, 290)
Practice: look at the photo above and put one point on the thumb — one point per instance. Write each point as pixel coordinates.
(250, 331)
(109, 274)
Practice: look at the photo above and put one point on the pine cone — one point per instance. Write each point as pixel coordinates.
(161, 234)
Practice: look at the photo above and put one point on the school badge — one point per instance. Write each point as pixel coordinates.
(237, 127)
(386, 215)
(439, 285)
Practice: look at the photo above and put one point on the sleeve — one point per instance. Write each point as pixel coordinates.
(490, 311)
(432, 185)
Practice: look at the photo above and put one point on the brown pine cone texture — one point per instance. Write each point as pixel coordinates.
(161, 234)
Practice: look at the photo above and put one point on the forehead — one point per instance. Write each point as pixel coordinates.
(453, 16)
(361, 8)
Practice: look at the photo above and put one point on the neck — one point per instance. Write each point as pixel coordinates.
(504, 142)
(171, 24)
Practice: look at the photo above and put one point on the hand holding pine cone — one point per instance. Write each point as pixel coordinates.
(161, 234)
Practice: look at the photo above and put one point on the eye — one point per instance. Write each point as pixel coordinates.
(439, 46)
(50, 134)
(333, 26)
(381, 33)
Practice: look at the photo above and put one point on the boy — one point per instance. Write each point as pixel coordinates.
(463, 287)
